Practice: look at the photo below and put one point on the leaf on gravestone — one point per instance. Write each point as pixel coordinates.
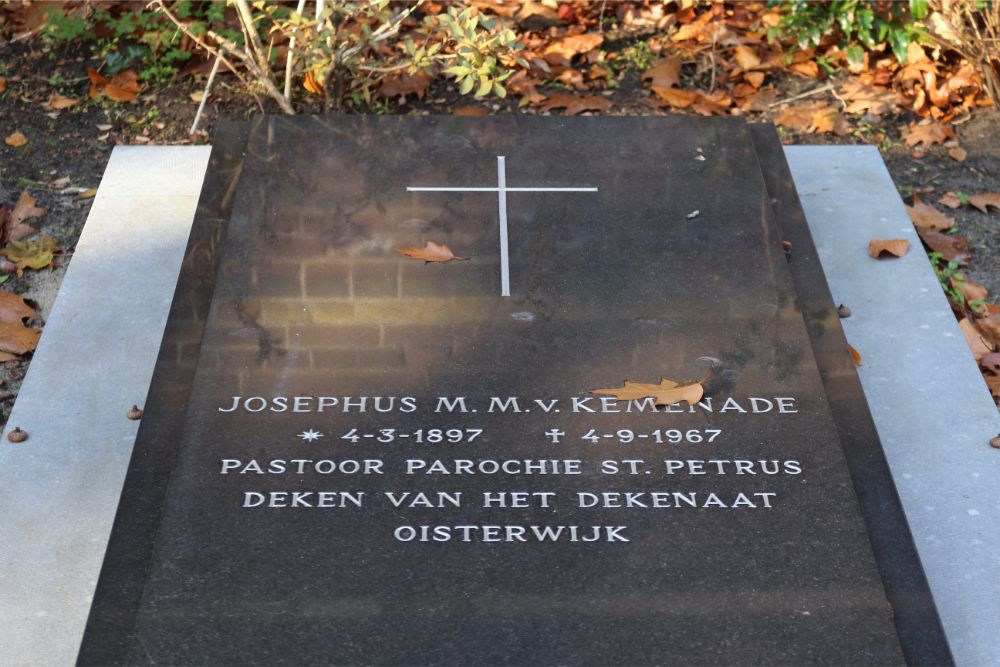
(16, 139)
(985, 200)
(950, 199)
(855, 355)
(878, 248)
(14, 308)
(977, 343)
(666, 73)
(953, 247)
(15, 338)
(574, 104)
(667, 392)
(31, 254)
(746, 57)
(925, 216)
(928, 135)
(431, 252)
(57, 101)
(561, 51)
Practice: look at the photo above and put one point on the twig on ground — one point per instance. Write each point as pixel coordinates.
(808, 93)
(204, 95)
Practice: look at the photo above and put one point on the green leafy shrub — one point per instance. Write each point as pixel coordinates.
(856, 24)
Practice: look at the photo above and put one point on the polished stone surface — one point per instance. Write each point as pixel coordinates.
(626, 283)
(934, 414)
(58, 490)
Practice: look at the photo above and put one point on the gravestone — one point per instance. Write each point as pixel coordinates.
(350, 456)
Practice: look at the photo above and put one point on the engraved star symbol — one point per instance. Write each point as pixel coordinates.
(310, 435)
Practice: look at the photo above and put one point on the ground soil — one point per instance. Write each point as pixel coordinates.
(77, 142)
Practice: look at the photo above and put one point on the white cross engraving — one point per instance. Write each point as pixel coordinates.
(501, 189)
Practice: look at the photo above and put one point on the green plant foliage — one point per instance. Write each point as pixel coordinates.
(479, 51)
(856, 23)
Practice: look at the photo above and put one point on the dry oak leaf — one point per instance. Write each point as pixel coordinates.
(874, 99)
(574, 104)
(897, 247)
(16, 139)
(14, 228)
(57, 101)
(14, 308)
(746, 57)
(563, 50)
(431, 252)
(16, 338)
(675, 97)
(667, 392)
(31, 254)
(666, 73)
(953, 247)
(122, 87)
(928, 135)
(925, 216)
(985, 200)
(977, 343)
(950, 199)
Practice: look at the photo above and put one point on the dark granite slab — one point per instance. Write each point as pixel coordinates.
(309, 299)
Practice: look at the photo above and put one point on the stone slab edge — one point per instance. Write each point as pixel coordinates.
(60, 488)
(932, 410)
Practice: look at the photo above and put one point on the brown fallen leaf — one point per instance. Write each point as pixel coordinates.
(972, 291)
(897, 247)
(574, 104)
(16, 139)
(830, 120)
(990, 362)
(31, 254)
(15, 338)
(312, 83)
(563, 50)
(953, 247)
(675, 97)
(122, 87)
(57, 101)
(405, 84)
(796, 118)
(3, 83)
(665, 393)
(993, 382)
(755, 79)
(470, 111)
(809, 68)
(977, 343)
(950, 199)
(666, 73)
(928, 135)
(989, 324)
(958, 154)
(14, 228)
(855, 355)
(14, 308)
(746, 57)
(985, 200)
(925, 216)
(432, 252)
(87, 194)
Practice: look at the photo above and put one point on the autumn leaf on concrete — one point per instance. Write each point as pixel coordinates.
(16, 338)
(16, 139)
(897, 247)
(665, 393)
(14, 308)
(432, 252)
(31, 254)
(985, 200)
(666, 73)
(928, 135)
(574, 104)
(855, 355)
(925, 216)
